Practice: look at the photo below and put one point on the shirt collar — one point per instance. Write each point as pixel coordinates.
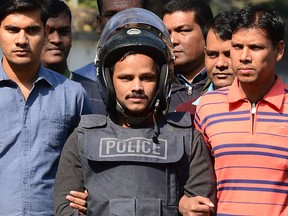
(275, 96)
(199, 77)
(43, 74)
(67, 73)
(211, 87)
(3, 74)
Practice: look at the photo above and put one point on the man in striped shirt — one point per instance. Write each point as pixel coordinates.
(246, 125)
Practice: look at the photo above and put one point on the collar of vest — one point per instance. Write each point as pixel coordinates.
(178, 119)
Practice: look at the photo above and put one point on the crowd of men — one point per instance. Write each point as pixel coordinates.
(182, 115)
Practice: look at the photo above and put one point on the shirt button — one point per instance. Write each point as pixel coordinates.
(20, 98)
(25, 181)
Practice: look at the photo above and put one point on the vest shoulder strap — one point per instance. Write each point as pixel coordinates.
(180, 119)
(182, 122)
(92, 121)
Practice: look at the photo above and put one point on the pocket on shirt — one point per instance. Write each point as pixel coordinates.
(55, 130)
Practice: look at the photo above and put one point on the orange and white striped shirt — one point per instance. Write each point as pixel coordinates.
(250, 146)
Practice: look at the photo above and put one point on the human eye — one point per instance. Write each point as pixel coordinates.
(32, 30)
(149, 77)
(237, 46)
(12, 29)
(125, 78)
(212, 54)
(185, 29)
(51, 30)
(227, 54)
(255, 47)
(64, 31)
(146, 78)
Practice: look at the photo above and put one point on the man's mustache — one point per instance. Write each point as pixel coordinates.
(136, 95)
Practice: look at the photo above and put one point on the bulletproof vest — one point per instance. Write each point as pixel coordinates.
(126, 173)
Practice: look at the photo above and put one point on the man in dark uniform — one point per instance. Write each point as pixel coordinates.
(138, 160)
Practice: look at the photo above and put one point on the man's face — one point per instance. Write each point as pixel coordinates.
(217, 60)
(135, 81)
(57, 47)
(254, 57)
(187, 38)
(22, 37)
(111, 7)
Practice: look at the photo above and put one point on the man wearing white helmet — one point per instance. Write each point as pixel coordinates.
(138, 160)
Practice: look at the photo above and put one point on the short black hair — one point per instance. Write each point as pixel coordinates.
(221, 25)
(8, 7)
(100, 5)
(58, 7)
(201, 8)
(262, 17)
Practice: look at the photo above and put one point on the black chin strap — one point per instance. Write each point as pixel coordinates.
(136, 121)
(132, 120)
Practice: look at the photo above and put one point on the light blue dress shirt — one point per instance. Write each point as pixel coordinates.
(32, 134)
(210, 88)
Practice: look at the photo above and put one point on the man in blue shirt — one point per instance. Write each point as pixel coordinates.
(39, 109)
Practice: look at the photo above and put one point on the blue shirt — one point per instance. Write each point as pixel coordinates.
(88, 71)
(32, 134)
(210, 88)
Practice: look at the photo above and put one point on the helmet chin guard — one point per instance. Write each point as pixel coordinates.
(132, 120)
(140, 31)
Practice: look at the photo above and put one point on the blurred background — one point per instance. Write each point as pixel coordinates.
(85, 37)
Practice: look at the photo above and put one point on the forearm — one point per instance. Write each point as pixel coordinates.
(69, 177)
(201, 181)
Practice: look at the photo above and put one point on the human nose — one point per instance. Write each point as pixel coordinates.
(22, 38)
(245, 55)
(222, 62)
(137, 85)
(174, 38)
(54, 37)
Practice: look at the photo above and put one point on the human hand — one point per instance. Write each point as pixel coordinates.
(195, 206)
(78, 200)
